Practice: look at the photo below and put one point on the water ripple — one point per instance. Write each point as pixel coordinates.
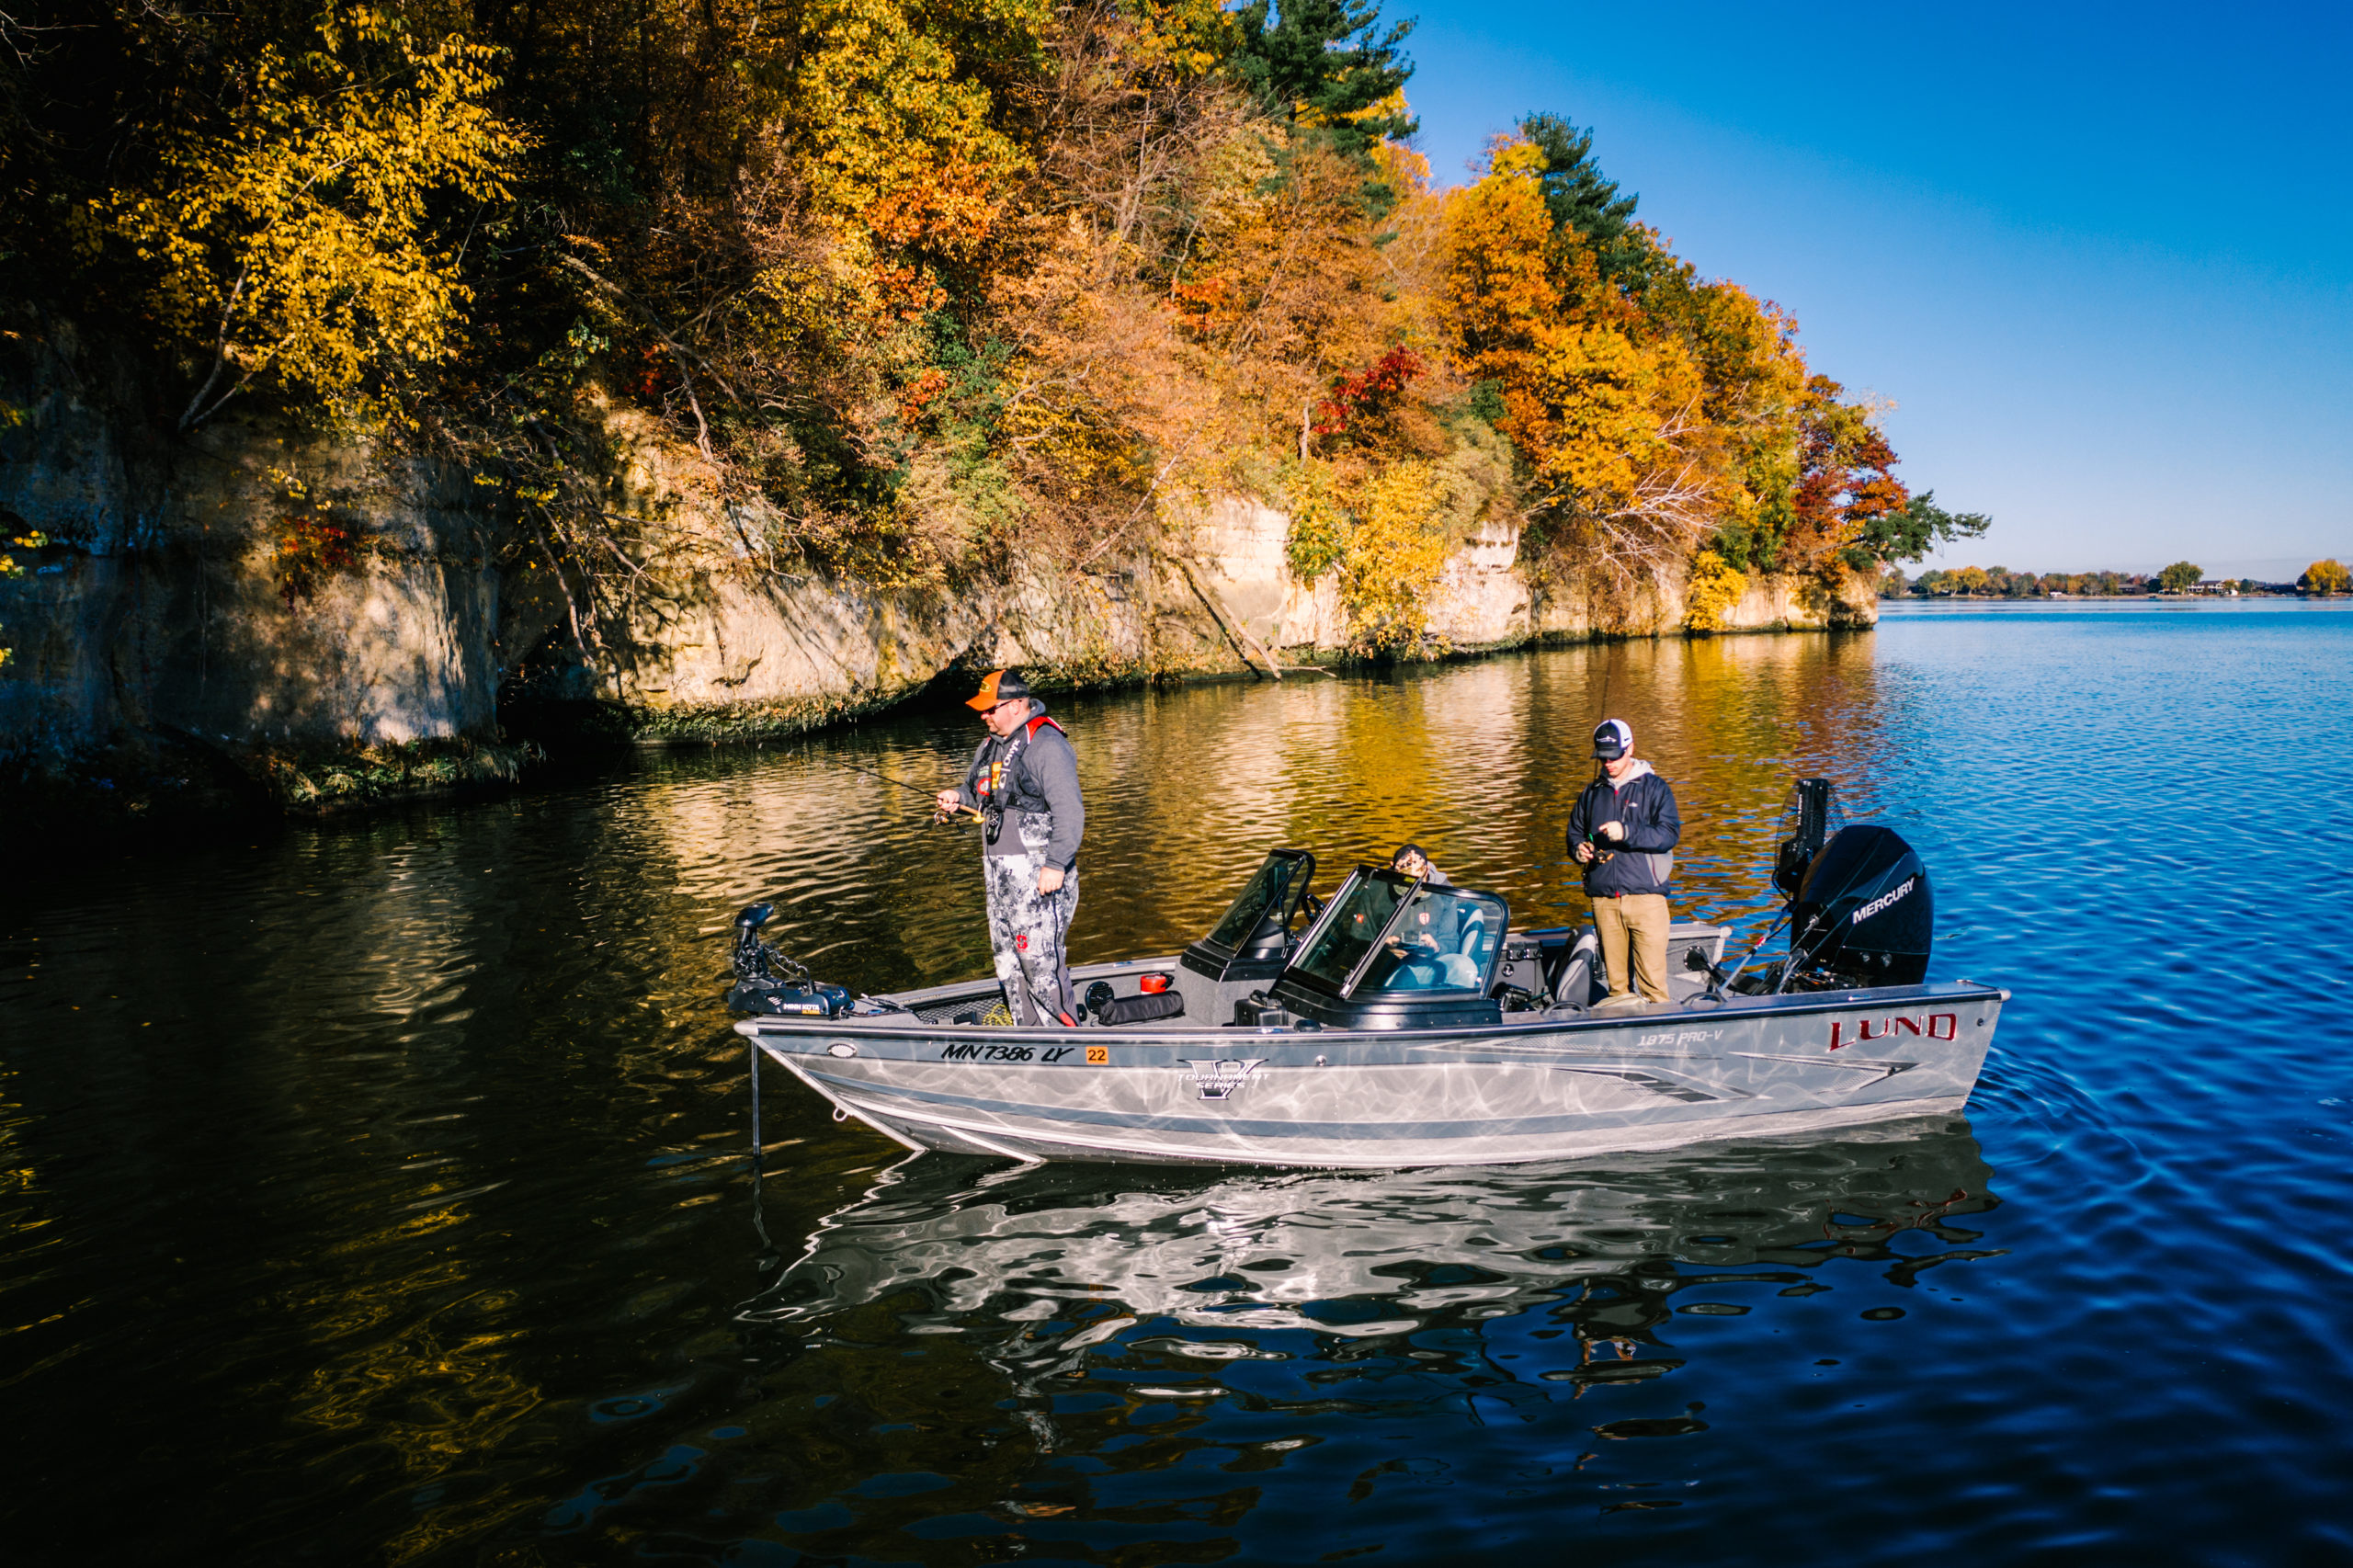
(375, 1192)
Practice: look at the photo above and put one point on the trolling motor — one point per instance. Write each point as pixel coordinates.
(1808, 820)
(770, 981)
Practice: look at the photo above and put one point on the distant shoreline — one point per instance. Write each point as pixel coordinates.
(2119, 601)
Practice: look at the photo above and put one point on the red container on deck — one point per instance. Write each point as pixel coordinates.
(1153, 985)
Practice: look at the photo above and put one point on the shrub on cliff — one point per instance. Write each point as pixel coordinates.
(1714, 588)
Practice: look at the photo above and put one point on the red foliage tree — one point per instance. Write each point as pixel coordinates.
(1368, 393)
(1843, 476)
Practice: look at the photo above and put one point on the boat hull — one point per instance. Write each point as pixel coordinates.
(1546, 1088)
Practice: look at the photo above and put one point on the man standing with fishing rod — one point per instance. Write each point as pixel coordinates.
(1623, 831)
(1023, 779)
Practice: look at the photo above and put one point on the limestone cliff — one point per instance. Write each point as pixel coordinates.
(333, 621)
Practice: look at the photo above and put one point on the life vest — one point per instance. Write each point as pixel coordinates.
(1004, 787)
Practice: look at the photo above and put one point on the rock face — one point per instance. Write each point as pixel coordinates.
(158, 599)
(254, 588)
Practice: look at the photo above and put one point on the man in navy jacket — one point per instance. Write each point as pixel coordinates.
(1623, 831)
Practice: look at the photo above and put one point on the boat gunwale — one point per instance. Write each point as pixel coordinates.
(888, 1025)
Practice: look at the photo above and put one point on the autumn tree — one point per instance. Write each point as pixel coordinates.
(301, 242)
(1608, 420)
(2328, 576)
(1845, 484)
(2180, 576)
(1757, 389)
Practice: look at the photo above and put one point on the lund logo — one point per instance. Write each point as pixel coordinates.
(1936, 1026)
(1875, 905)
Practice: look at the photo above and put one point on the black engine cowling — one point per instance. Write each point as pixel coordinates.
(1864, 914)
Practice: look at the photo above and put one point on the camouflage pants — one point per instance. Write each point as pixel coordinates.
(1026, 928)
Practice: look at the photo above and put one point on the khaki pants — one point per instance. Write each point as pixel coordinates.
(1644, 917)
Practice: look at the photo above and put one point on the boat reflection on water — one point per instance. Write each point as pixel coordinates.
(1160, 1287)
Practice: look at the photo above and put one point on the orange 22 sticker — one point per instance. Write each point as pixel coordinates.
(1098, 1055)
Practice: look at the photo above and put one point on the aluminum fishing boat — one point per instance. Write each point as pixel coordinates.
(1405, 1023)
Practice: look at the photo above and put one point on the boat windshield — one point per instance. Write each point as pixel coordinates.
(1444, 939)
(1270, 891)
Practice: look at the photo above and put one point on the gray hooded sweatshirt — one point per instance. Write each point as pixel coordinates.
(1039, 782)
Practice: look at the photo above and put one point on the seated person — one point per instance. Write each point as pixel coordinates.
(1410, 861)
(1441, 940)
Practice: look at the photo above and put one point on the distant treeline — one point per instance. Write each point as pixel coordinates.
(2001, 583)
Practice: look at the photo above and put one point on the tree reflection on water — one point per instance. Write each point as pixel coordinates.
(1064, 1342)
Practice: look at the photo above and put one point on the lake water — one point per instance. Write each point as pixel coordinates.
(378, 1192)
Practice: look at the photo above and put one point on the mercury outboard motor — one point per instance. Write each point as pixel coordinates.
(768, 980)
(1862, 914)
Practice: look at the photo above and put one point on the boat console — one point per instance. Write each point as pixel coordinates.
(1394, 951)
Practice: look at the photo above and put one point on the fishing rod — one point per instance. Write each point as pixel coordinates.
(911, 788)
(1609, 667)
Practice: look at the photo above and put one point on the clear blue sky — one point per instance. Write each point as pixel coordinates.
(2100, 257)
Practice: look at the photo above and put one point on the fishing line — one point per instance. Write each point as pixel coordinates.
(1608, 668)
(911, 788)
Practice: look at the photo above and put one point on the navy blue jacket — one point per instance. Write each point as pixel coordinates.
(1644, 807)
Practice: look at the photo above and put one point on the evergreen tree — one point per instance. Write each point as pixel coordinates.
(1325, 63)
(1909, 534)
(1582, 201)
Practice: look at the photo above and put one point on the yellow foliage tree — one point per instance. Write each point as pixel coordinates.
(1505, 275)
(1609, 419)
(1754, 377)
(885, 112)
(303, 245)
(1620, 435)
(1393, 557)
(1716, 585)
(2328, 576)
(1317, 539)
